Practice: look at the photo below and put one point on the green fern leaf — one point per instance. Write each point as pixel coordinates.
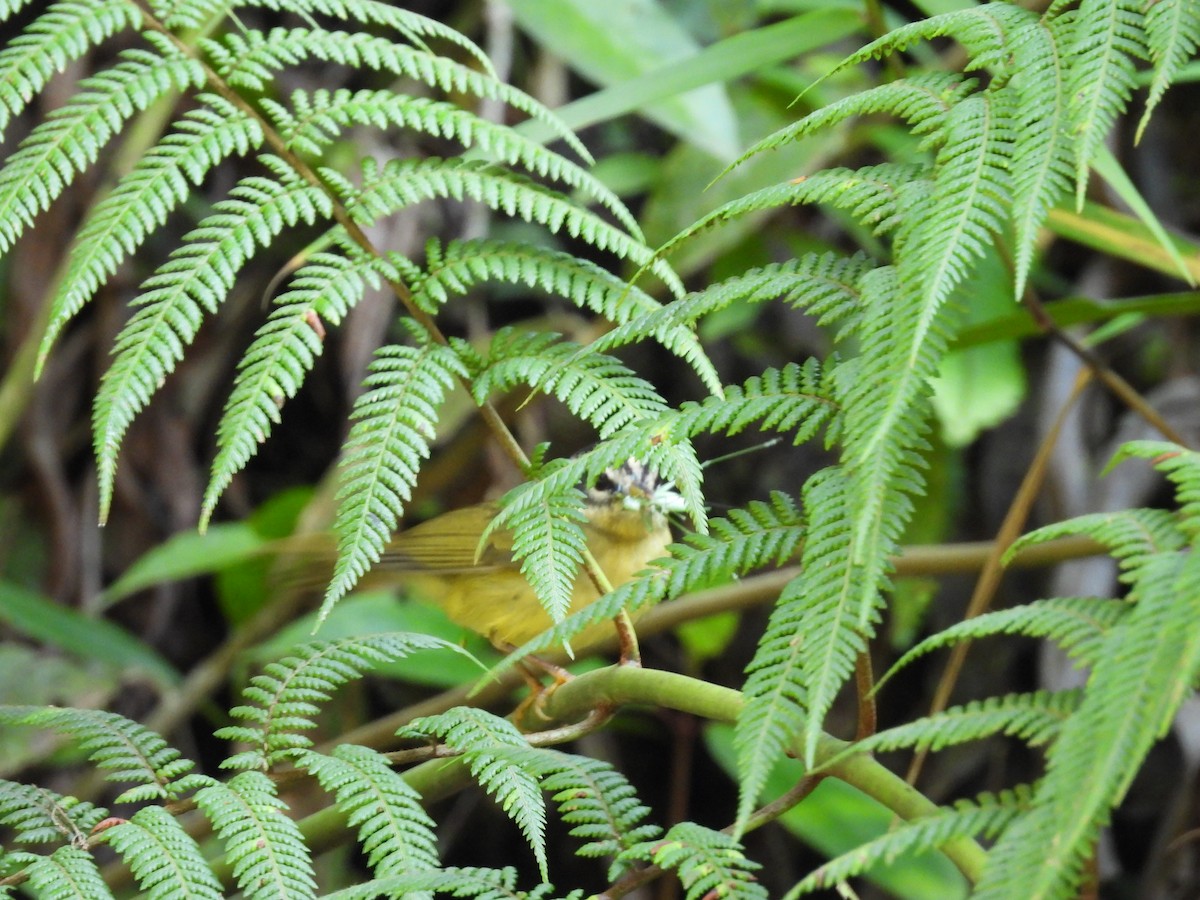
(37, 815)
(987, 815)
(414, 27)
(59, 36)
(251, 61)
(165, 860)
(797, 396)
(481, 737)
(1149, 666)
(401, 183)
(69, 873)
(776, 690)
(195, 279)
(1108, 38)
(708, 863)
(71, 138)
(1042, 150)
(1079, 625)
(394, 831)
(288, 694)
(394, 422)
(126, 749)
(477, 883)
(1182, 467)
(284, 349)
(923, 101)
(320, 116)
(144, 198)
(1172, 33)
(595, 387)
(264, 846)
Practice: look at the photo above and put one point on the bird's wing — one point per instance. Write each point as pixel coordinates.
(449, 544)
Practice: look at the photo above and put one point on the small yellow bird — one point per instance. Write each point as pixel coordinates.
(482, 588)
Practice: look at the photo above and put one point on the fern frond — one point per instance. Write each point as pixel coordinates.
(869, 194)
(922, 101)
(1079, 625)
(1148, 667)
(69, 873)
(597, 388)
(987, 815)
(321, 115)
(144, 198)
(1172, 33)
(393, 424)
(597, 801)
(1182, 467)
(1035, 718)
(165, 860)
(986, 32)
(1108, 38)
(251, 61)
(796, 396)
(477, 883)
(413, 26)
(708, 863)
(288, 693)
(263, 846)
(129, 752)
(776, 688)
(480, 737)
(825, 284)
(1042, 149)
(394, 831)
(1132, 536)
(284, 349)
(37, 815)
(196, 279)
(71, 137)
(59, 36)
(401, 183)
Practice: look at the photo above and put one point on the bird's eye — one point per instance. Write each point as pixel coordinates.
(606, 484)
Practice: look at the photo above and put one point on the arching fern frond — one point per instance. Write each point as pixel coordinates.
(71, 137)
(195, 279)
(394, 831)
(413, 26)
(1108, 38)
(251, 62)
(143, 199)
(264, 846)
(287, 695)
(457, 881)
(400, 183)
(987, 815)
(38, 815)
(284, 349)
(127, 751)
(320, 116)
(1147, 668)
(922, 101)
(1079, 625)
(481, 737)
(824, 284)
(1172, 34)
(60, 35)
(708, 862)
(1182, 467)
(165, 860)
(597, 388)
(798, 396)
(394, 422)
(69, 873)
